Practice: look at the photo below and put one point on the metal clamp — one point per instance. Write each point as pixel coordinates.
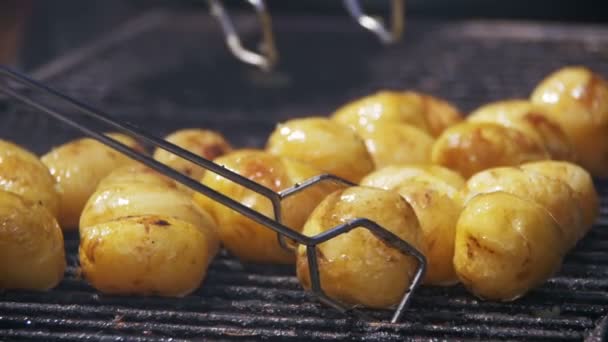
(377, 25)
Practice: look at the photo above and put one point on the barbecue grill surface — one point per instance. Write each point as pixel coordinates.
(169, 70)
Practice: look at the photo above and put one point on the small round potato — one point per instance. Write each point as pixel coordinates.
(326, 145)
(578, 99)
(579, 180)
(243, 237)
(22, 173)
(431, 114)
(471, 147)
(145, 255)
(554, 195)
(533, 120)
(135, 173)
(357, 268)
(32, 255)
(78, 166)
(390, 177)
(505, 246)
(205, 143)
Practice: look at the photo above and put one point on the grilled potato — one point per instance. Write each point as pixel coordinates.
(471, 147)
(578, 179)
(205, 143)
(326, 145)
(390, 177)
(554, 195)
(505, 246)
(578, 99)
(145, 255)
(78, 166)
(135, 173)
(22, 173)
(245, 238)
(32, 255)
(357, 267)
(532, 120)
(428, 113)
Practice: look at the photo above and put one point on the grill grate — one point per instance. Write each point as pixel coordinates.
(201, 85)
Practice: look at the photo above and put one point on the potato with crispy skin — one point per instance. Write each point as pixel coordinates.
(431, 114)
(505, 246)
(22, 173)
(471, 147)
(578, 99)
(78, 166)
(390, 177)
(32, 255)
(357, 268)
(243, 237)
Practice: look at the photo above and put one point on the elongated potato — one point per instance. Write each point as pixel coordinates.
(531, 119)
(431, 114)
(505, 246)
(390, 177)
(358, 268)
(32, 255)
(554, 195)
(243, 237)
(145, 255)
(22, 173)
(78, 166)
(205, 143)
(578, 99)
(471, 147)
(326, 145)
(578, 179)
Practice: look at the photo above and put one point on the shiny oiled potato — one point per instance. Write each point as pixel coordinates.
(205, 143)
(578, 99)
(357, 267)
(554, 195)
(243, 237)
(22, 173)
(78, 166)
(390, 177)
(145, 255)
(431, 114)
(533, 120)
(505, 246)
(135, 173)
(471, 147)
(32, 255)
(326, 145)
(578, 179)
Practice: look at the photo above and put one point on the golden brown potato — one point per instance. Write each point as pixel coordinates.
(431, 114)
(135, 173)
(358, 268)
(533, 120)
(32, 255)
(22, 173)
(578, 99)
(390, 177)
(145, 255)
(579, 180)
(326, 145)
(78, 166)
(505, 246)
(554, 195)
(471, 147)
(243, 237)
(205, 143)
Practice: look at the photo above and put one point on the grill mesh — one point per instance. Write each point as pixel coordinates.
(199, 84)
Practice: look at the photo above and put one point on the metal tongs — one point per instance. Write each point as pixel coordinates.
(15, 85)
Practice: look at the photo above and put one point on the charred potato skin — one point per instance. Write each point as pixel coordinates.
(326, 145)
(358, 268)
(390, 177)
(32, 255)
(505, 246)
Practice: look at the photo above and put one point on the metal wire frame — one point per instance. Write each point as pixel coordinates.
(311, 243)
(375, 25)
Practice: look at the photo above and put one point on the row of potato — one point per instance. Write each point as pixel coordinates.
(494, 201)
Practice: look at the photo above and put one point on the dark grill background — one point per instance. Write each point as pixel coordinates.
(168, 70)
